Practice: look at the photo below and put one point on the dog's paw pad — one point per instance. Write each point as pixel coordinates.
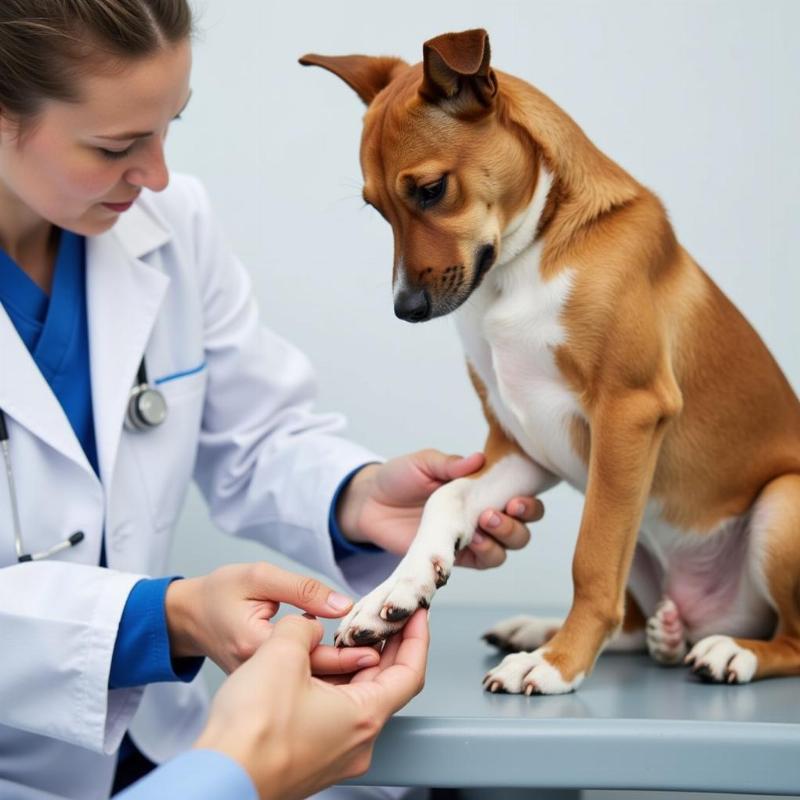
(392, 614)
(365, 637)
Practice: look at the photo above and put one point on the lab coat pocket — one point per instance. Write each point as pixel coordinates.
(166, 454)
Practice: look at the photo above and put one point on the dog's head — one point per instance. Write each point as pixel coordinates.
(442, 162)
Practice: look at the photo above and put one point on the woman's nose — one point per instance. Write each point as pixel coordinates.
(151, 171)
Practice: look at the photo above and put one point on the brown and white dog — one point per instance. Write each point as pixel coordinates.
(604, 356)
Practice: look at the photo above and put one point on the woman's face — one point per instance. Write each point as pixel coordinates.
(80, 165)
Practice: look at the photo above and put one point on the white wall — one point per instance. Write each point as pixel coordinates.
(698, 100)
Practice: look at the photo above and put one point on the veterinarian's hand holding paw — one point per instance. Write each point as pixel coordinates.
(226, 615)
(295, 734)
(383, 505)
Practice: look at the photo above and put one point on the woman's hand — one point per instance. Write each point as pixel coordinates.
(295, 734)
(226, 615)
(383, 505)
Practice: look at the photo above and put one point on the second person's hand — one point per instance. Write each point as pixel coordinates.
(295, 734)
(226, 615)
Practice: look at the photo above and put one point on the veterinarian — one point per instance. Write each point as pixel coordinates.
(132, 361)
(327, 735)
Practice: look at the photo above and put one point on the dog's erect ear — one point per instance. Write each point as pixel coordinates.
(456, 68)
(365, 75)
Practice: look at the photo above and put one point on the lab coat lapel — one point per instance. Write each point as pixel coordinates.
(123, 294)
(26, 397)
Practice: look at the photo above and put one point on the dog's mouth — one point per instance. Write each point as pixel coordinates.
(483, 263)
(448, 293)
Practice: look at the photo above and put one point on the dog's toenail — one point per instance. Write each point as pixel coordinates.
(441, 577)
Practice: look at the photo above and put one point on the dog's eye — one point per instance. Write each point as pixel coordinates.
(432, 193)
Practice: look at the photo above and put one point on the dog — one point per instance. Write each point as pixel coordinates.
(603, 356)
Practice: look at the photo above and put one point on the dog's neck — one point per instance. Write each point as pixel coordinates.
(521, 231)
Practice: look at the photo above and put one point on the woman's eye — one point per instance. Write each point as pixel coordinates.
(114, 154)
(433, 192)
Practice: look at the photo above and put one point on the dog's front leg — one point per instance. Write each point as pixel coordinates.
(626, 434)
(448, 522)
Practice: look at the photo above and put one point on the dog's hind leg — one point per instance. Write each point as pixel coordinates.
(775, 532)
(522, 632)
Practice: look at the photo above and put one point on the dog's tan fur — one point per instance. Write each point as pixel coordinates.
(685, 405)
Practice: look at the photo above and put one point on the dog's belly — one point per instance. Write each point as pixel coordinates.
(713, 577)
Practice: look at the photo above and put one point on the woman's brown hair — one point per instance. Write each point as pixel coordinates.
(46, 44)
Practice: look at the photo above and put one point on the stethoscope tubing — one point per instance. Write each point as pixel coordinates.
(136, 419)
(12, 489)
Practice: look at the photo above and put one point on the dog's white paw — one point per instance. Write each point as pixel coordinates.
(522, 632)
(529, 673)
(385, 610)
(666, 640)
(718, 659)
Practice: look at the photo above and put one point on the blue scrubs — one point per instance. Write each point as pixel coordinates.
(55, 331)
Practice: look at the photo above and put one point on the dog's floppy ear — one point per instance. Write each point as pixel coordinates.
(456, 69)
(365, 75)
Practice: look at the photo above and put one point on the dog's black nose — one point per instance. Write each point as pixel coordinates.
(413, 305)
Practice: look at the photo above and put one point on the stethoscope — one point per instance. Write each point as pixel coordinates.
(147, 409)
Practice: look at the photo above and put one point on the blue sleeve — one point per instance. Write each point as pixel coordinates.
(198, 774)
(343, 547)
(141, 651)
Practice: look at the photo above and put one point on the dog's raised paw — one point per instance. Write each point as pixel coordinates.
(666, 640)
(718, 659)
(528, 673)
(385, 610)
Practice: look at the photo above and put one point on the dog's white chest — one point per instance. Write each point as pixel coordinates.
(510, 329)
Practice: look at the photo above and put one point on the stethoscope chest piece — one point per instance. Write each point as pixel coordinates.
(147, 407)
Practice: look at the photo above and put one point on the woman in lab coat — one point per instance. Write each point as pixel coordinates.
(114, 278)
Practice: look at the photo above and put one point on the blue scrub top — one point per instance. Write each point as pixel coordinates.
(55, 330)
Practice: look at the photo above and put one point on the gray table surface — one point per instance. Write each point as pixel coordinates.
(631, 725)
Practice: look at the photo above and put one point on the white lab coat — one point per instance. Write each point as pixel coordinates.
(164, 283)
